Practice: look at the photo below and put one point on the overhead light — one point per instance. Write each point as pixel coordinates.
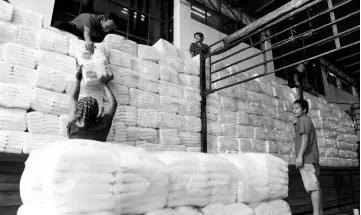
(198, 14)
(200, 10)
(124, 12)
(331, 74)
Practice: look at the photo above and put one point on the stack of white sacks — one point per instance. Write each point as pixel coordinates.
(335, 133)
(87, 177)
(34, 73)
(157, 88)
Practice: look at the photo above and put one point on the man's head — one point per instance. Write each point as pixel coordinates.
(300, 107)
(301, 67)
(87, 109)
(108, 23)
(198, 37)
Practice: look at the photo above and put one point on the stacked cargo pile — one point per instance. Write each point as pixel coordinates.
(157, 88)
(34, 69)
(335, 133)
(121, 179)
(251, 117)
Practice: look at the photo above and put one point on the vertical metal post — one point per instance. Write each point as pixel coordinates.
(300, 87)
(203, 102)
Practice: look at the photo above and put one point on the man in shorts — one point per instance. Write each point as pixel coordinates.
(307, 153)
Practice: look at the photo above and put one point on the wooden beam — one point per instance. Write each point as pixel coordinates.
(334, 27)
(353, 64)
(265, 5)
(348, 56)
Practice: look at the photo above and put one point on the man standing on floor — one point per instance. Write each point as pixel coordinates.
(198, 47)
(307, 154)
(90, 27)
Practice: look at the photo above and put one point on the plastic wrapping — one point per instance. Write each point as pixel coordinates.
(192, 124)
(351, 138)
(113, 41)
(143, 99)
(27, 17)
(126, 114)
(51, 79)
(242, 118)
(51, 41)
(168, 74)
(148, 118)
(190, 139)
(27, 36)
(227, 117)
(172, 121)
(49, 102)
(144, 67)
(329, 152)
(261, 177)
(40, 123)
(256, 121)
(189, 108)
(125, 77)
(169, 137)
(243, 106)
(213, 100)
(275, 207)
(192, 94)
(16, 74)
(121, 59)
(56, 61)
(173, 62)
(19, 55)
(14, 96)
(168, 105)
(188, 80)
(240, 93)
(148, 84)
(171, 90)
(214, 128)
(165, 48)
(12, 119)
(7, 11)
(148, 53)
(256, 109)
(12, 141)
(228, 104)
(142, 134)
(229, 130)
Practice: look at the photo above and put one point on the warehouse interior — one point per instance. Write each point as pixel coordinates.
(235, 100)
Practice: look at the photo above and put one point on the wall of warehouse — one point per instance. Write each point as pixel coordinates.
(185, 27)
(44, 7)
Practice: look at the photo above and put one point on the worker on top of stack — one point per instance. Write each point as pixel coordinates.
(84, 122)
(90, 27)
(199, 47)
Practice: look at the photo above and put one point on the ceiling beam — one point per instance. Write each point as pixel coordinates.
(353, 64)
(212, 5)
(355, 71)
(232, 12)
(348, 56)
(265, 5)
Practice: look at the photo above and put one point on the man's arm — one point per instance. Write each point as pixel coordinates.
(74, 96)
(109, 111)
(88, 42)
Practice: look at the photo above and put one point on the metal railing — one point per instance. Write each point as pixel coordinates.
(268, 22)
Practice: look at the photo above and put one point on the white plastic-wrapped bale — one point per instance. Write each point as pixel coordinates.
(27, 17)
(190, 139)
(227, 117)
(12, 141)
(271, 135)
(256, 109)
(227, 143)
(244, 145)
(240, 93)
(63, 122)
(242, 118)
(168, 105)
(16, 74)
(130, 47)
(212, 147)
(56, 61)
(170, 148)
(241, 131)
(169, 137)
(148, 118)
(51, 79)
(261, 177)
(256, 121)
(165, 48)
(192, 94)
(148, 53)
(125, 77)
(126, 114)
(52, 41)
(40, 123)
(213, 100)
(121, 59)
(120, 92)
(212, 113)
(27, 37)
(12, 119)
(8, 32)
(184, 54)
(173, 62)
(189, 108)
(6, 11)
(254, 97)
(243, 106)
(341, 145)
(192, 124)
(190, 68)
(329, 152)
(19, 55)
(142, 134)
(214, 128)
(229, 130)
(15, 96)
(147, 83)
(193, 149)
(150, 147)
(172, 121)
(143, 99)
(168, 74)
(188, 80)
(119, 130)
(274, 207)
(49, 102)
(39, 141)
(113, 41)
(144, 67)
(228, 104)
(171, 90)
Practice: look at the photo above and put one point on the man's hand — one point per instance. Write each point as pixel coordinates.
(299, 162)
(106, 79)
(79, 74)
(89, 46)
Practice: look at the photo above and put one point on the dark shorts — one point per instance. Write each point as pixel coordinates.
(309, 174)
